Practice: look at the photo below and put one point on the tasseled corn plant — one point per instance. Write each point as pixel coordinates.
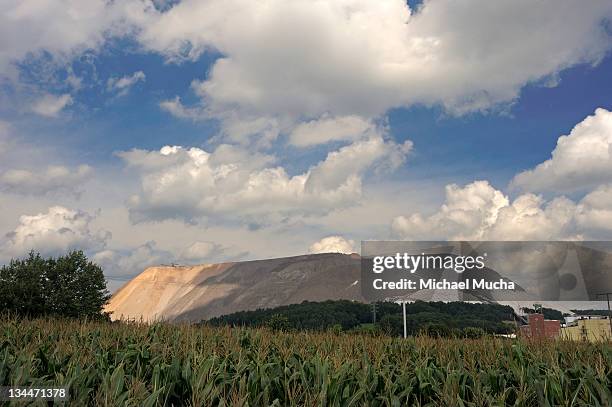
(163, 364)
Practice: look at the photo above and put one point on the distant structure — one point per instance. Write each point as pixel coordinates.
(539, 328)
(591, 328)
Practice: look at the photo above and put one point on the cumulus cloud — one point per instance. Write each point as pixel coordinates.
(176, 108)
(234, 127)
(478, 211)
(346, 165)
(242, 129)
(53, 232)
(328, 129)
(529, 217)
(594, 212)
(365, 57)
(123, 264)
(199, 251)
(51, 105)
(333, 244)
(52, 179)
(580, 161)
(120, 265)
(62, 29)
(123, 85)
(466, 214)
(191, 183)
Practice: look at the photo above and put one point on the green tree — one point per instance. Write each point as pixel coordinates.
(68, 285)
(21, 290)
(278, 322)
(473, 332)
(436, 330)
(392, 324)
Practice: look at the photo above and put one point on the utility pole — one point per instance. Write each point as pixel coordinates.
(374, 312)
(609, 314)
(404, 313)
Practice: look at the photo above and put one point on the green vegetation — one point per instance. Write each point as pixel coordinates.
(548, 313)
(602, 312)
(138, 365)
(68, 286)
(454, 319)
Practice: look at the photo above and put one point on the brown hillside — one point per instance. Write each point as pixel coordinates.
(193, 293)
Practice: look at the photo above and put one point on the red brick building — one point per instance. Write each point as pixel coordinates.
(540, 328)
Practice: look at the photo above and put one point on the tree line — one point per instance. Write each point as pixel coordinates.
(432, 318)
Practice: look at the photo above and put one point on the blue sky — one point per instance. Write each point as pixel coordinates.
(299, 123)
(508, 142)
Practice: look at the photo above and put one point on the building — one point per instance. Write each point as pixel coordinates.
(540, 328)
(588, 328)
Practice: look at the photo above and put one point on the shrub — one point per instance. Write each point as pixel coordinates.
(473, 333)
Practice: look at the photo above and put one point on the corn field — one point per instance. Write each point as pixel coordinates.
(146, 365)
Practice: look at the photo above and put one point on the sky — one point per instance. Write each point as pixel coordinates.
(156, 132)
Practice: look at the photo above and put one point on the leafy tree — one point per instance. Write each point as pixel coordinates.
(366, 329)
(392, 324)
(436, 330)
(68, 285)
(473, 332)
(21, 289)
(278, 322)
(549, 313)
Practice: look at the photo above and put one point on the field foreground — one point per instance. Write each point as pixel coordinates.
(120, 364)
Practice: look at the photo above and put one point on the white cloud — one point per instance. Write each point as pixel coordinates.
(53, 232)
(129, 263)
(466, 214)
(63, 28)
(176, 108)
(4, 136)
(51, 105)
(531, 218)
(200, 251)
(191, 183)
(367, 56)
(123, 85)
(581, 160)
(363, 58)
(73, 81)
(333, 244)
(234, 127)
(328, 129)
(350, 162)
(594, 212)
(241, 129)
(52, 179)
(480, 212)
